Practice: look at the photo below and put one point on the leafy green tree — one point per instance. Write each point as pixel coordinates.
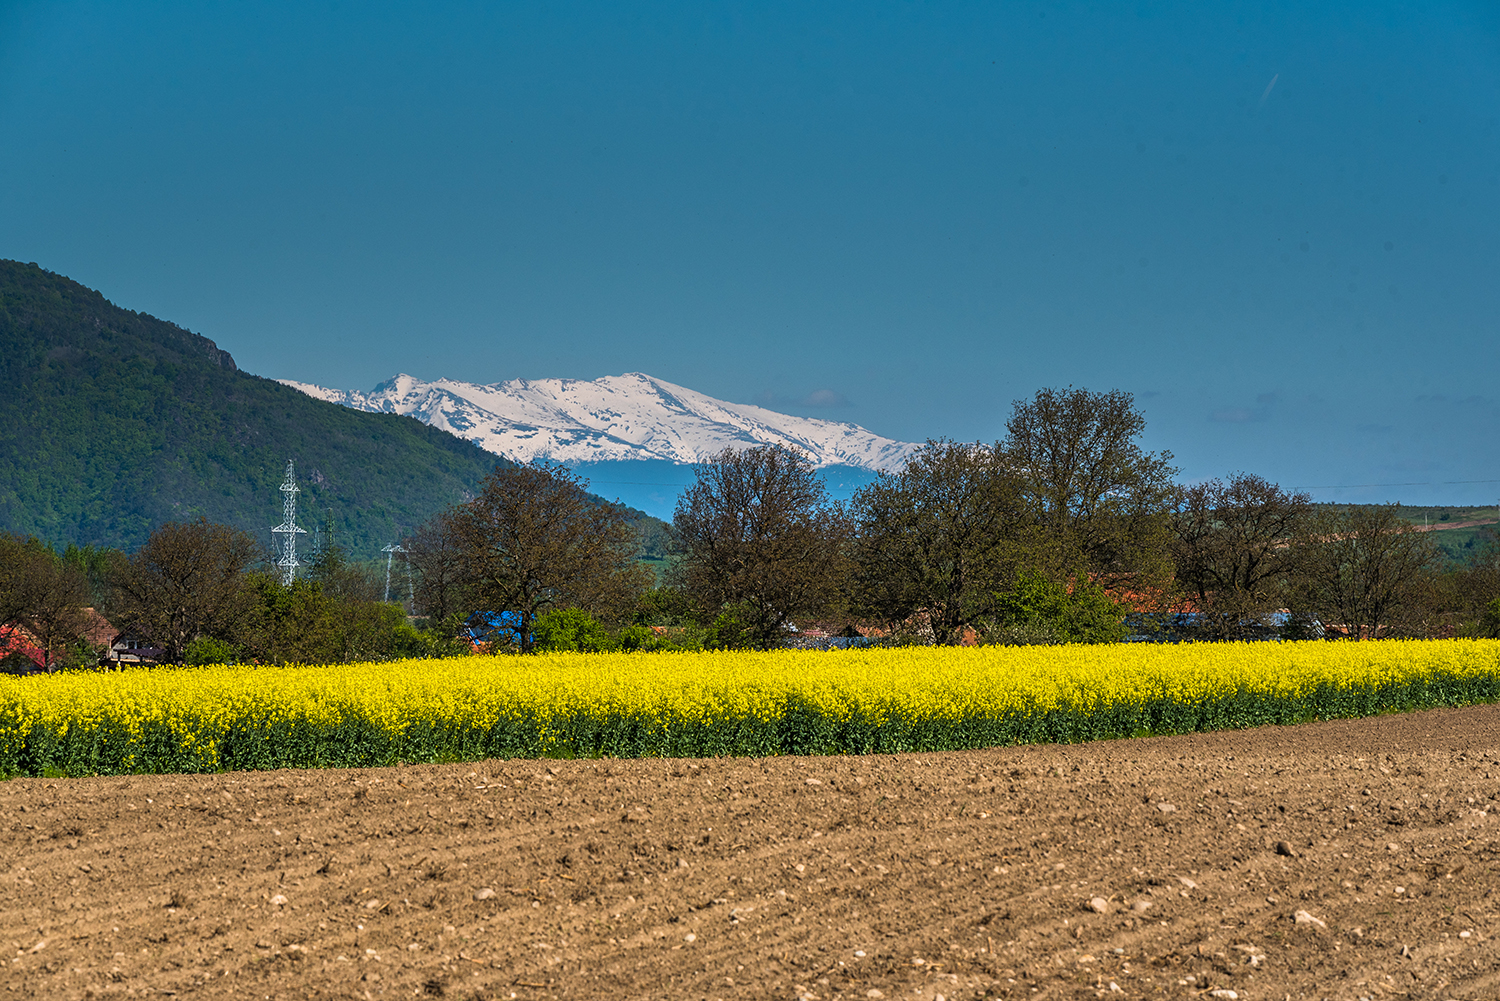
(642, 639)
(937, 538)
(301, 623)
(665, 606)
(1489, 620)
(208, 650)
(759, 535)
(293, 623)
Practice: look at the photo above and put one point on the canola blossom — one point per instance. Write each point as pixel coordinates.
(709, 704)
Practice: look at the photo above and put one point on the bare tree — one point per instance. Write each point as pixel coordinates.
(1233, 548)
(1364, 568)
(1099, 499)
(938, 537)
(435, 556)
(187, 581)
(534, 539)
(761, 537)
(1477, 587)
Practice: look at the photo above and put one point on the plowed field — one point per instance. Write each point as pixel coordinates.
(1166, 867)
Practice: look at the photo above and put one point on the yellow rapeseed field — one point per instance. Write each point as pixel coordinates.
(700, 704)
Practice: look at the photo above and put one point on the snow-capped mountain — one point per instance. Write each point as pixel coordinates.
(618, 417)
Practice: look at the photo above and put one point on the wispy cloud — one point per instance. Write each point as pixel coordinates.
(824, 398)
(1268, 90)
(1238, 415)
(817, 399)
(1265, 403)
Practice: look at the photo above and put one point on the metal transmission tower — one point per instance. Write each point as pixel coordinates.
(390, 554)
(288, 529)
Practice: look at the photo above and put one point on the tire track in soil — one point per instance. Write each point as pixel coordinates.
(958, 875)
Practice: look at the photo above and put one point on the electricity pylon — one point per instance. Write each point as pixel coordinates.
(390, 554)
(288, 529)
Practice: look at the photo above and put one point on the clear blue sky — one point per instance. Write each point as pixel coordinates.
(1277, 224)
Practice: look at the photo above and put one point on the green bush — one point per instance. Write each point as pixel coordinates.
(1038, 610)
(208, 650)
(570, 629)
(1489, 622)
(731, 630)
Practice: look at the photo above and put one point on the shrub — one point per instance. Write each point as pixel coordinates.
(570, 629)
(207, 650)
(1038, 610)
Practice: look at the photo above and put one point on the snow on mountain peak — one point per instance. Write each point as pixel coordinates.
(617, 417)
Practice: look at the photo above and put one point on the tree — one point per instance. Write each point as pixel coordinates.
(534, 540)
(99, 565)
(42, 594)
(1232, 544)
(1489, 621)
(1363, 568)
(762, 543)
(1100, 501)
(938, 537)
(436, 557)
(187, 581)
(305, 623)
(1475, 589)
(340, 579)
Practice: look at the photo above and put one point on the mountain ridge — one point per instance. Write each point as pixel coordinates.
(627, 417)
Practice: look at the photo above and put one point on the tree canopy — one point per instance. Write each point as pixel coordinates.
(534, 539)
(1099, 499)
(762, 543)
(939, 537)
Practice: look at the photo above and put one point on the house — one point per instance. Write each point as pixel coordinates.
(130, 650)
(20, 653)
(97, 630)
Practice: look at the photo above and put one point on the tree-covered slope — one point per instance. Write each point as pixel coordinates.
(113, 422)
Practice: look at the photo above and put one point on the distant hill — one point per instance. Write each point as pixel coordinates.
(113, 422)
(1464, 532)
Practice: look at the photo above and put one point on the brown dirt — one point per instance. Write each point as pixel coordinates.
(956, 875)
(1444, 526)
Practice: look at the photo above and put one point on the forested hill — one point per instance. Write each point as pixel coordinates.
(113, 422)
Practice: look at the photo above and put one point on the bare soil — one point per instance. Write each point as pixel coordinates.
(918, 876)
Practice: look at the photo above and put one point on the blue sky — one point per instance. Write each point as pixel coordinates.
(1278, 225)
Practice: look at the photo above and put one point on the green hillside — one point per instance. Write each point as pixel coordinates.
(113, 422)
(1463, 532)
